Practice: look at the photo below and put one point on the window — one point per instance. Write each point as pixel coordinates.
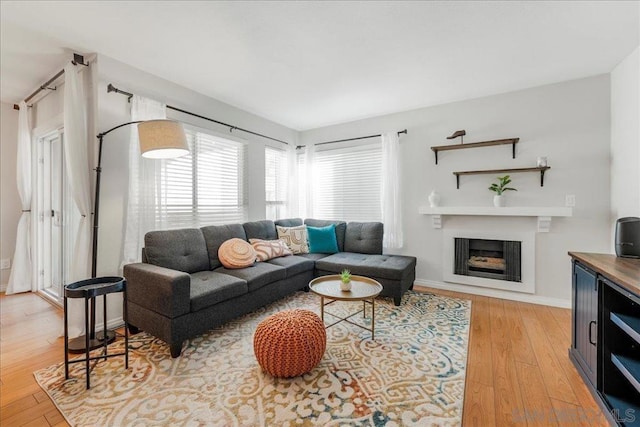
(347, 183)
(276, 178)
(206, 187)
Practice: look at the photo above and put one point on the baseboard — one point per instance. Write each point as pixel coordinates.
(496, 293)
(111, 324)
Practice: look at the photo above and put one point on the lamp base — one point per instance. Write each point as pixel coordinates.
(78, 345)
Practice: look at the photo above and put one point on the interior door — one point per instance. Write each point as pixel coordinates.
(57, 216)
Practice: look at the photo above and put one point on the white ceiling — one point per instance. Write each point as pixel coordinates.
(310, 64)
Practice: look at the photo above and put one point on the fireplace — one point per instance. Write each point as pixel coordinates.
(497, 259)
(488, 258)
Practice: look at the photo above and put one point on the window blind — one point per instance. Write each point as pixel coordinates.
(276, 177)
(347, 183)
(206, 187)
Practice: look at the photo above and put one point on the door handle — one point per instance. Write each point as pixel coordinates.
(593, 322)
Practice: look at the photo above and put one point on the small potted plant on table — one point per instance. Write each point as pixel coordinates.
(499, 188)
(345, 279)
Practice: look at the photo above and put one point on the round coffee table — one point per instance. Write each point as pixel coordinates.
(362, 289)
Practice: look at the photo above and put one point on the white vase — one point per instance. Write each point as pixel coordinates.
(345, 286)
(498, 201)
(434, 199)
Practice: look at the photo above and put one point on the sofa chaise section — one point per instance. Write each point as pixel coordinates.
(362, 255)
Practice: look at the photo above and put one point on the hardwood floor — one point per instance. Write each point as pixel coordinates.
(29, 340)
(518, 370)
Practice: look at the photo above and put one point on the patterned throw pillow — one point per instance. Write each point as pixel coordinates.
(295, 238)
(269, 249)
(236, 253)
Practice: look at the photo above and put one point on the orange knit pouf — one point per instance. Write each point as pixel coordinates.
(290, 343)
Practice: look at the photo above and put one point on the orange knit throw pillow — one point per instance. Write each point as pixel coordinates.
(236, 253)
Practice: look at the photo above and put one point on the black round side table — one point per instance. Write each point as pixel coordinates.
(88, 290)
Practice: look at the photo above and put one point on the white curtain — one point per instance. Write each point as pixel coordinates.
(76, 158)
(309, 154)
(391, 196)
(21, 278)
(293, 206)
(141, 203)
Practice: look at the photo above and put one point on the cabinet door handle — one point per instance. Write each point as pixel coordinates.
(593, 322)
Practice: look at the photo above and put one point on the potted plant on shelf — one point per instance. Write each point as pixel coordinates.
(345, 279)
(499, 188)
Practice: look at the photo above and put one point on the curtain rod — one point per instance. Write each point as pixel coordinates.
(112, 88)
(353, 139)
(77, 59)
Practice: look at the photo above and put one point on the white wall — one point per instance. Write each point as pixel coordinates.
(567, 122)
(10, 206)
(625, 138)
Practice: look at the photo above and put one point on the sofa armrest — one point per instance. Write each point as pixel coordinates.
(159, 289)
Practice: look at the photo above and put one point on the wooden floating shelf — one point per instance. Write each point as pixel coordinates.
(541, 169)
(511, 141)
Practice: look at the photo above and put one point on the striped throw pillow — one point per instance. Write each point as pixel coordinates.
(269, 249)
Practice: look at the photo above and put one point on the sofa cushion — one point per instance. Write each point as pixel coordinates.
(183, 250)
(265, 230)
(296, 238)
(294, 264)
(269, 249)
(209, 288)
(341, 228)
(237, 253)
(392, 267)
(313, 257)
(364, 237)
(322, 239)
(289, 222)
(216, 235)
(261, 274)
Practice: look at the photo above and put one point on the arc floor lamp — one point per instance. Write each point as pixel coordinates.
(159, 139)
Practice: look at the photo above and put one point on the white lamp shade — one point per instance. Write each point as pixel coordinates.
(162, 139)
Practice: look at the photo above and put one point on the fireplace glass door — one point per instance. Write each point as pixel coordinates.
(489, 259)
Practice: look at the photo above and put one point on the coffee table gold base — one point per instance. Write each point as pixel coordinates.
(371, 302)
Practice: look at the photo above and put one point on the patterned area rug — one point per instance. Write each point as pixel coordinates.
(412, 374)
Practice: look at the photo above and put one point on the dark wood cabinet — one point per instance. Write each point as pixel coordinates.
(605, 345)
(585, 320)
(620, 386)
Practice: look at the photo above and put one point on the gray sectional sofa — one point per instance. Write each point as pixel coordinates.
(182, 290)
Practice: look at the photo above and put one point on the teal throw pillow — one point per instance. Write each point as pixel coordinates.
(322, 240)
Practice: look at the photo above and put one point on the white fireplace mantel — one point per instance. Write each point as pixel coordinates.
(544, 214)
